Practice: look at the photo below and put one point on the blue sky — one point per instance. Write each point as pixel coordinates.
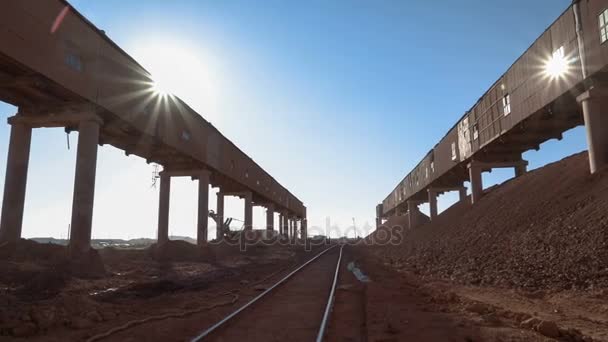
(338, 100)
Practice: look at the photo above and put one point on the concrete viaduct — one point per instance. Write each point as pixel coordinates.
(559, 83)
(62, 71)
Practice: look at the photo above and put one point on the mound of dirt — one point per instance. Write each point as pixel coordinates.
(32, 251)
(546, 229)
(180, 251)
(40, 271)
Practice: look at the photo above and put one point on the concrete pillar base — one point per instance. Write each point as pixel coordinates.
(84, 187)
(15, 184)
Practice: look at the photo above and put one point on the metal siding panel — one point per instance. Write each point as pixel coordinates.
(595, 52)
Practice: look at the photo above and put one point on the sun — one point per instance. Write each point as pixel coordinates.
(158, 88)
(558, 66)
(180, 69)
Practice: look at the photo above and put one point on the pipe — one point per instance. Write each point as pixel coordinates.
(579, 37)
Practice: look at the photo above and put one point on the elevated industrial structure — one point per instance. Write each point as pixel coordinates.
(62, 71)
(557, 84)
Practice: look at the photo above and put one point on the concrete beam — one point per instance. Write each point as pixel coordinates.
(497, 165)
(240, 194)
(64, 119)
(441, 190)
(192, 173)
(84, 186)
(15, 183)
(594, 104)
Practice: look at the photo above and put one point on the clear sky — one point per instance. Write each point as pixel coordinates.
(337, 99)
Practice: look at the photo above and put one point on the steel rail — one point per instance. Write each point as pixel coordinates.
(330, 300)
(217, 325)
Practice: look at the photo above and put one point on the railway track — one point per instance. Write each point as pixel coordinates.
(296, 308)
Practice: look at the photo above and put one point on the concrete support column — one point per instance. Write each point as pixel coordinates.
(202, 230)
(521, 170)
(476, 183)
(596, 125)
(304, 230)
(220, 214)
(463, 193)
(15, 183)
(285, 225)
(433, 203)
(84, 186)
(248, 212)
(163, 209)
(270, 218)
(379, 213)
(412, 209)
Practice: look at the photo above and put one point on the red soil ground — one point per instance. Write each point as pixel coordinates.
(42, 298)
(526, 263)
(536, 245)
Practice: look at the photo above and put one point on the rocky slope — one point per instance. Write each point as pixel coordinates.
(546, 229)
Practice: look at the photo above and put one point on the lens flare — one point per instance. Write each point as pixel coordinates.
(558, 65)
(159, 89)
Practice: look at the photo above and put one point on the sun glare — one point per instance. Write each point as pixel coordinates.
(159, 89)
(558, 65)
(180, 69)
